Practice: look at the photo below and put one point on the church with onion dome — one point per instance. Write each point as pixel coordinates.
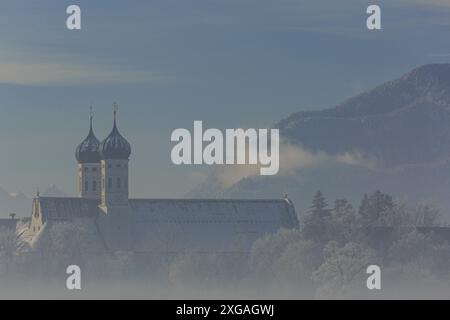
(112, 221)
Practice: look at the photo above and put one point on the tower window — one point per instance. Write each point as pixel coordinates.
(109, 183)
(118, 183)
(94, 185)
(86, 186)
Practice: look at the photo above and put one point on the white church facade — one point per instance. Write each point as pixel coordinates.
(114, 222)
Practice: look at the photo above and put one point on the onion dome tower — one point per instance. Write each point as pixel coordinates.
(88, 160)
(114, 220)
(115, 146)
(114, 153)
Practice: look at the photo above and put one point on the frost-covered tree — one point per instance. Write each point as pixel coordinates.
(410, 246)
(343, 268)
(9, 246)
(414, 246)
(343, 211)
(319, 205)
(425, 215)
(267, 250)
(319, 225)
(296, 264)
(348, 226)
(331, 250)
(378, 210)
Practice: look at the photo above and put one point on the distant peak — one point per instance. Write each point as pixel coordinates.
(432, 66)
(425, 85)
(440, 71)
(53, 191)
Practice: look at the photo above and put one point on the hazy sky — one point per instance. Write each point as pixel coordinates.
(230, 63)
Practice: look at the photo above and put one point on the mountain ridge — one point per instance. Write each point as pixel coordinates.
(412, 109)
(404, 124)
(426, 81)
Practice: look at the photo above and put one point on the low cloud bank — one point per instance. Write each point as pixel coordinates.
(293, 158)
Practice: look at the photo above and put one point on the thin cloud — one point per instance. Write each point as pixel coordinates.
(62, 74)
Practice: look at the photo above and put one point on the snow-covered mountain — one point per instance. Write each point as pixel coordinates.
(405, 121)
(53, 191)
(395, 137)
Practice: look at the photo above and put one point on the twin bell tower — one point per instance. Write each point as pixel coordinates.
(103, 175)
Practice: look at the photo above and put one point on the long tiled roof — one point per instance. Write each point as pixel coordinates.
(179, 210)
(59, 208)
(203, 224)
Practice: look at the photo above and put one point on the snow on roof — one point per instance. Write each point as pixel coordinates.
(207, 225)
(213, 210)
(62, 208)
(183, 224)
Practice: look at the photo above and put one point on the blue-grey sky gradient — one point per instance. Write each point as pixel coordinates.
(230, 63)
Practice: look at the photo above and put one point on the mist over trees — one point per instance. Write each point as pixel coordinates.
(334, 246)
(326, 257)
